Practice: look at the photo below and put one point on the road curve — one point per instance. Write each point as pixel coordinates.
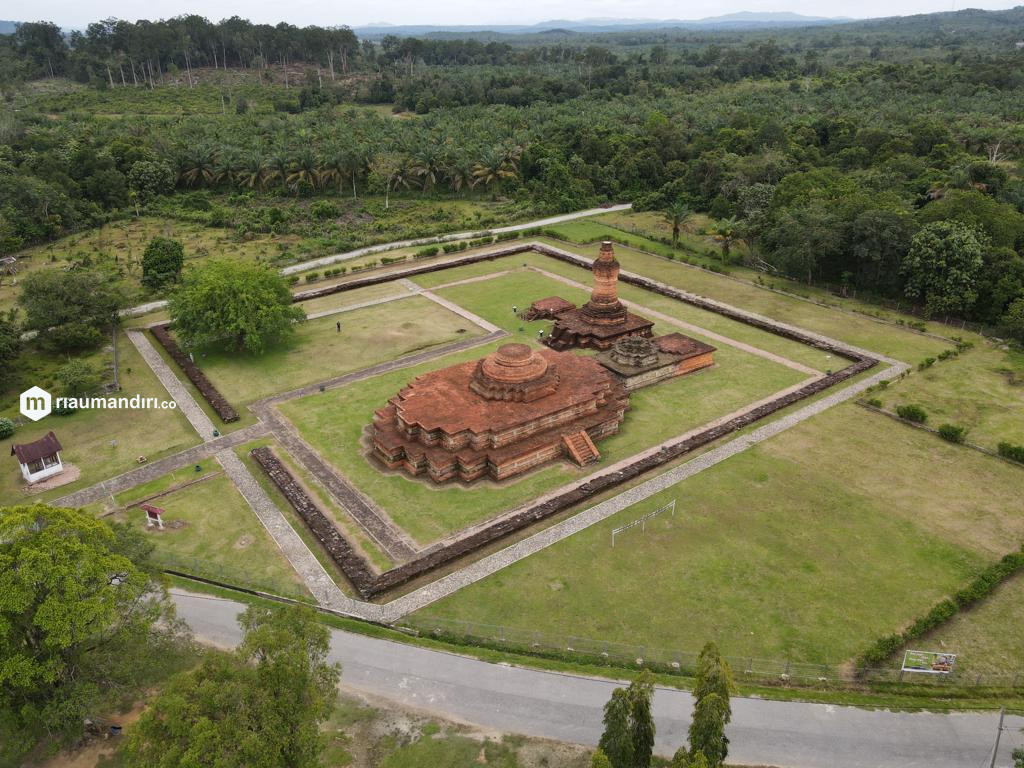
(568, 707)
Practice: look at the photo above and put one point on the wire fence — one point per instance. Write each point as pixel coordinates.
(749, 669)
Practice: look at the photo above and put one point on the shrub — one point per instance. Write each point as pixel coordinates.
(312, 277)
(293, 279)
(323, 209)
(78, 378)
(928, 362)
(64, 410)
(1012, 452)
(425, 253)
(6, 428)
(874, 402)
(953, 433)
(914, 413)
(161, 262)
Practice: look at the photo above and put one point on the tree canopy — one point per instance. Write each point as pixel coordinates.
(239, 306)
(81, 615)
(258, 707)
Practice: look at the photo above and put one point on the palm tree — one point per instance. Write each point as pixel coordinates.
(225, 165)
(460, 173)
(427, 166)
(724, 232)
(332, 168)
(197, 166)
(250, 173)
(275, 168)
(493, 167)
(302, 171)
(354, 161)
(676, 213)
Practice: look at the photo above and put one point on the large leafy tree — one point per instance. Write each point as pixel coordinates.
(71, 310)
(628, 737)
(240, 306)
(259, 707)
(942, 266)
(82, 619)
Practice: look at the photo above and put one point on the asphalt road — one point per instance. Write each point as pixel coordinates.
(568, 708)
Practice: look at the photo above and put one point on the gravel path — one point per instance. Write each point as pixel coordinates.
(465, 313)
(155, 469)
(326, 261)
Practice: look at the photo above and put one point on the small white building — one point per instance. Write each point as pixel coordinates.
(39, 460)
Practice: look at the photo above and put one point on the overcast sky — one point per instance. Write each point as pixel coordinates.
(78, 13)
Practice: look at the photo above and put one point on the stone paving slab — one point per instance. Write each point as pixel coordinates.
(310, 570)
(175, 388)
(155, 469)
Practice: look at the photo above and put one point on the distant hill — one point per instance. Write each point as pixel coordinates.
(741, 20)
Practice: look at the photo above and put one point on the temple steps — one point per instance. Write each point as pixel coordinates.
(581, 448)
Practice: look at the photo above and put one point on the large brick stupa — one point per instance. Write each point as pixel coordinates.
(500, 416)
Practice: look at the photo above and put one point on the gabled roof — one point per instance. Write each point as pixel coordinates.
(48, 445)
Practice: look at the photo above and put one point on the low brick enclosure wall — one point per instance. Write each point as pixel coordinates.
(352, 564)
(210, 393)
(370, 583)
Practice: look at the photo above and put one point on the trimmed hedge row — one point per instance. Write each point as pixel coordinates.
(981, 587)
(1012, 452)
(209, 392)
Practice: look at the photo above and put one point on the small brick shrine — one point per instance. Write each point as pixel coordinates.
(640, 361)
(603, 319)
(500, 416)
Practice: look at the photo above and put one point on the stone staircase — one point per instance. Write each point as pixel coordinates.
(581, 448)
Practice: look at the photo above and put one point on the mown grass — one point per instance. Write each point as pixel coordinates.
(333, 422)
(221, 537)
(101, 443)
(803, 548)
(319, 351)
(982, 389)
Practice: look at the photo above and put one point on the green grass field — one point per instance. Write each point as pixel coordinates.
(981, 389)
(87, 435)
(806, 547)
(333, 422)
(988, 638)
(369, 335)
(221, 537)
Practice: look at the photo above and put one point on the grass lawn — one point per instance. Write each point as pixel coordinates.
(981, 389)
(350, 298)
(369, 335)
(87, 434)
(987, 639)
(805, 547)
(222, 538)
(333, 422)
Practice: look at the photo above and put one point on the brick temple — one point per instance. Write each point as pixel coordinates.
(500, 416)
(599, 322)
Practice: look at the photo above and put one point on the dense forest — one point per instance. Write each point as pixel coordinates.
(883, 156)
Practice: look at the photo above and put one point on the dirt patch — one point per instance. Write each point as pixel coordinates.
(243, 541)
(69, 475)
(93, 748)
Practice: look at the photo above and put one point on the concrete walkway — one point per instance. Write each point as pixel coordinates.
(175, 388)
(310, 570)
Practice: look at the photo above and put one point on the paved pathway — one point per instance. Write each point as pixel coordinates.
(568, 708)
(461, 312)
(175, 388)
(155, 469)
(310, 570)
(360, 305)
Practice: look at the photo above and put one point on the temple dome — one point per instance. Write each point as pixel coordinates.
(514, 372)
